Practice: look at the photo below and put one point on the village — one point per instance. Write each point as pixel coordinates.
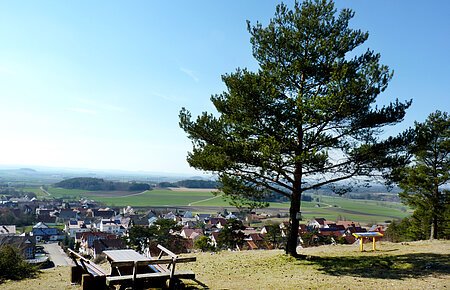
(90, 229)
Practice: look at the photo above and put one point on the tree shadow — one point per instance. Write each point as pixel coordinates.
(385, 267)
(193, 284)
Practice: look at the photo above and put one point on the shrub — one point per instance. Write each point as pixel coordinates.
(203, 243)
(13, 266)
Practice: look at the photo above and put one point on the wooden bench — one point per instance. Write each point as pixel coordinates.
(86, 273)
(164, 269)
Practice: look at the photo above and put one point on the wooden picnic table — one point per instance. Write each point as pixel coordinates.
(129, 268)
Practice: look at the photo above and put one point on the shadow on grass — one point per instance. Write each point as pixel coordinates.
(193, 284)
(385, 267)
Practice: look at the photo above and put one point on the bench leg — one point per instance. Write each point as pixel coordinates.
(93, 283)
(87, 282)
(75, 274)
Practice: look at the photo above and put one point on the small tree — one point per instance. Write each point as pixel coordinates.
(139, 238)
(424, 180)
(13, 266)
(273, 235)
(161, 232)
(231, 235)
(204, 244)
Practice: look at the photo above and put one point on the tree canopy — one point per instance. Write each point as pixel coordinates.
(306, 119)
(141, 237)
(231, 236)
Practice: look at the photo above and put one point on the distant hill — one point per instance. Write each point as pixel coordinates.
(99, 184)
(27, 170)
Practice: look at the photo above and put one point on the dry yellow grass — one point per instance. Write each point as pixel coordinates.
(55, 278)
(416, 265)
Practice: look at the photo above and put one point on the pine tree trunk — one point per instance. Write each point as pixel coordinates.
(291, 246)
(434, 216)
(434, 227)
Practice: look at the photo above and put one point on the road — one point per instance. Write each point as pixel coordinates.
(195, 202)
(57, 255)
(44, 191)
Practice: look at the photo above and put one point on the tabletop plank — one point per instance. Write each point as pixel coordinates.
(125, 255)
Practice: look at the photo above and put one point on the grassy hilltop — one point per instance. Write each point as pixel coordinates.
(415, 265)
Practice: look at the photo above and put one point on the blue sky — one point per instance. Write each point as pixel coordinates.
(99, 84)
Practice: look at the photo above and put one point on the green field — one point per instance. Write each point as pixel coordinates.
(329, 207)
(39, 193)
(148, 198)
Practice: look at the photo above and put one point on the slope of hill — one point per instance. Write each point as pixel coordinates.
(416, 265)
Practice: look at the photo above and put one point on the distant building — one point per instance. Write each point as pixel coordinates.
(111, 226)
(25, 244)
(191, 234)
(87, 241)
(108, 244)
(43, 232)
(67, 214)
(104, 213)
(217, 222)
(317, 223)
(73, 227)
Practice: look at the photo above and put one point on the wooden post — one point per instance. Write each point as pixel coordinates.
(373, 244)
(87, 282)
(75, 274)
(361, 247)
(134, 274)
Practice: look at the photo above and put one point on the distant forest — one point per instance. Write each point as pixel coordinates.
(99, 184)
(190, 184)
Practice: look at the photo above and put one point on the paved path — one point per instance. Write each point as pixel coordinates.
(44, 191)
(57, 255)
(132, 194)
(203, 200)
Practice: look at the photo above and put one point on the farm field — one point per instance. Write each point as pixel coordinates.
(414, 265)
(39, 193)
(329, 207)
(363, 209)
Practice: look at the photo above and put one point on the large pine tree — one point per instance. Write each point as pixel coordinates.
(305, 119)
